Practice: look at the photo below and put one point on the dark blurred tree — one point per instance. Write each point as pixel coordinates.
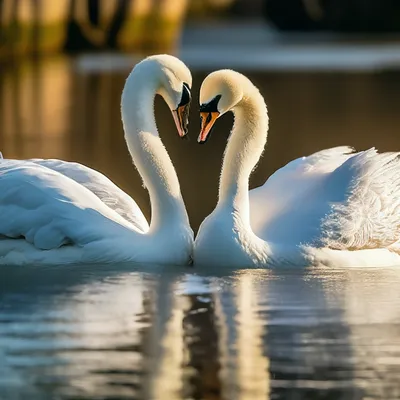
(362, 15)
(94, 12)
(90, 35)
(75, 39)
(290, 15)
(2, 24)
(245, 8)
(337, 15)
(116, 23)
(36, 12)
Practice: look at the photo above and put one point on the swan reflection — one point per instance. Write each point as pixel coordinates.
(176, 333)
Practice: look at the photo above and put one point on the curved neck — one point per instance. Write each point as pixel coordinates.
(244, 149)
(148, 152)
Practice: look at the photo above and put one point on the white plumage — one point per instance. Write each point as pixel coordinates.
(334, 198)
(57, 212)
(49, 209)
(333, 208)
(109, 193)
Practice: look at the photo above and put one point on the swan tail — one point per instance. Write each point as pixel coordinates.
(1, 156)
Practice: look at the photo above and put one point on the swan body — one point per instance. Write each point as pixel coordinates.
(109, 193)
(56, 212)
(333, 208)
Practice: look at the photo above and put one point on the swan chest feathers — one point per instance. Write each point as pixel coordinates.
(222, 241)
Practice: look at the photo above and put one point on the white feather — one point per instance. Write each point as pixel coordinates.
(109, 193)
(331, 199)
(332, 208)
(56, 212)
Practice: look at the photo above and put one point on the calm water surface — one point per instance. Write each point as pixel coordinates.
(110, 332)
(148, 332)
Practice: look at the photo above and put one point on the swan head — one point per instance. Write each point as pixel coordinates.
(220, 92)
(172, 80)
(175, 88)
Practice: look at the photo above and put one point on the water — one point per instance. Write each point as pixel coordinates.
(149, 332)
(167, 333)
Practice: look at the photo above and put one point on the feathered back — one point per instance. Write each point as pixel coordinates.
(332, 199)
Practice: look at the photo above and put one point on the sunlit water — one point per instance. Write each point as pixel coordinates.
(147, 332)
(173, 333)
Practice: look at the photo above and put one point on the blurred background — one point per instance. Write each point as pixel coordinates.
(328, 70)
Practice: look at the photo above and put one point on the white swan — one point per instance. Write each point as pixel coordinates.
(333, 208)
(56, 212)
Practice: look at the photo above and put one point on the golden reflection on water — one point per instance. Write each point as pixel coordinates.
(34, 106)
(128, 335)
(253, 365)
(138, 326)
(176, 335)
(375, 329)
(169, 373)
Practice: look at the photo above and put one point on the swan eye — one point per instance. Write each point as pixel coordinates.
(211, 106)
(186, 96)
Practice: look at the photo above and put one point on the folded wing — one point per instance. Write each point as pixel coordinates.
(333, 198)
(49, 210)
(109, 193)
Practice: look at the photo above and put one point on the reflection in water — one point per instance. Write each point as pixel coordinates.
(167, 338)
(35, 102)
(106, 323)
(374, 320)
(251, 380)
(309, 350)
(200, 337)
(119, 332)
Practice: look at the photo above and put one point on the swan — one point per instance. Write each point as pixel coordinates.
(333, 208)
(57, 212)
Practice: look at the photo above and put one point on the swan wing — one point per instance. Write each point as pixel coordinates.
(49, 210)
(333, 198)
(282, 195)
(364, 204)
(109, 193)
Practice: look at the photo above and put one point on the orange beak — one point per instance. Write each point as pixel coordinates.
(207, 122)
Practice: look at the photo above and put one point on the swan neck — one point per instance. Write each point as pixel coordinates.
(148, 152)
(244, 149)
